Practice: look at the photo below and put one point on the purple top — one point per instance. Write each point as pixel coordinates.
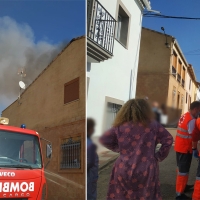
(135, 174)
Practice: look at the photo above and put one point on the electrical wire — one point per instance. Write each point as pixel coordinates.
(170, 17)
(189, 53)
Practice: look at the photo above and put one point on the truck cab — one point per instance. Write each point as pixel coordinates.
(21, 163)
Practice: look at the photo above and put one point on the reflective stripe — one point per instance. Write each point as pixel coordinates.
(184, 136)
(182, 174)
(183, 130)
(178, 194)
(198, 178)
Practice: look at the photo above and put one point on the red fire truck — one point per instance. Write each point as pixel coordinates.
(21, 163)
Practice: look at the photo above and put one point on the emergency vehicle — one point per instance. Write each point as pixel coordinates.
(21, 163)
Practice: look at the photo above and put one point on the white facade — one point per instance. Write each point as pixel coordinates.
(198, 95)
(114, 80)
(189, 89)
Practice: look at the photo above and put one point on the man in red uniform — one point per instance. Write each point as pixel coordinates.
(195, 139)
(183, 148)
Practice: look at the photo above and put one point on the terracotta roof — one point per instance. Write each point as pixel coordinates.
(74, 39)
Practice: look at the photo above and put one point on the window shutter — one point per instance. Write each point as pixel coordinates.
(71, 91)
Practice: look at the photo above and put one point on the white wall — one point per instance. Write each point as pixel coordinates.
(187, 82)
(112, 77)
(198, 95)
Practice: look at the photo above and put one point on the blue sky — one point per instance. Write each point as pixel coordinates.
(187, 32)
(53, 22)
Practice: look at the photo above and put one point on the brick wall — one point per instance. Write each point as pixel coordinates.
(42, 109)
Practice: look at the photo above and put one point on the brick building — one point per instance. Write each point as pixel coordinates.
(54, 106)
(164, 74)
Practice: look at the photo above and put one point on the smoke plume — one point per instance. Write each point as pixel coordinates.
(19, 50)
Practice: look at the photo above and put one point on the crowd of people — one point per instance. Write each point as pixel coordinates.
(136, 131)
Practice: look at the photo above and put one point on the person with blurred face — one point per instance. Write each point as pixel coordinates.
(183, 148)
(92, 162)
(156, 111)
(135, 135)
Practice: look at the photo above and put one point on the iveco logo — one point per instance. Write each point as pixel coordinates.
(7, 174)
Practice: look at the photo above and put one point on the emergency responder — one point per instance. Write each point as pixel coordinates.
(195, 139)
(183, 148)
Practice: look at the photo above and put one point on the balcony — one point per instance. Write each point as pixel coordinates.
(100, 32)
(179, 78)
(183, 83)
(173, 71)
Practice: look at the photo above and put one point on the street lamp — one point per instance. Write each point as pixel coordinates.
(166, 43)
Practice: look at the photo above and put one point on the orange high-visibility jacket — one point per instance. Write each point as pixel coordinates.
(183, 142)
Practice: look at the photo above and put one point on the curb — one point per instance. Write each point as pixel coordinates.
(108, 162)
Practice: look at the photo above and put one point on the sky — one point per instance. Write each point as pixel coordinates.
(187, 32)
(32, 33)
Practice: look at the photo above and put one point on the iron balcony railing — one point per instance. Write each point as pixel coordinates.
(101, 26)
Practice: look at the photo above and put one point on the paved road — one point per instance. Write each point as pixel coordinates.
(167, 178)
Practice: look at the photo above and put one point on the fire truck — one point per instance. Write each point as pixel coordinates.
(21, 163)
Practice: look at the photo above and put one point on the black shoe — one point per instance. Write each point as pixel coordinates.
(188, 188)
(183, 197)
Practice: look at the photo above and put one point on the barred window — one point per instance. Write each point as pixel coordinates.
(71, 153)
(112, 110)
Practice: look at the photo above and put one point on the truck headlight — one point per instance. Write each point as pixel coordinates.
(44, 192)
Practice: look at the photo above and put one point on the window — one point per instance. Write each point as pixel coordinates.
(179, 67)
(173, 97)
(71, 91)
(112, 110)
(119, 24)
(17, 148)
(71, 153)
(190, 84)
(174, 60)
(186, 97)
(182, 99)
(179, 71)
(122, 26)
(183, 77)
(178, 100)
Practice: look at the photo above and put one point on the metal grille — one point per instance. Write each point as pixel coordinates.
(71, 153)
(101, 26)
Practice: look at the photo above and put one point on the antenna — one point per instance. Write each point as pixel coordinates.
(22, 74)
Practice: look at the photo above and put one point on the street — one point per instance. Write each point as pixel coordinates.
(167, 177)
